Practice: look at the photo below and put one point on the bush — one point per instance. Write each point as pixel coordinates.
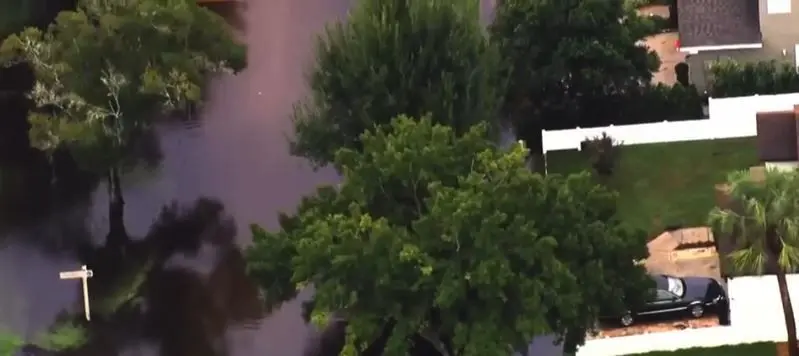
(681, 70)
(730, 78)
(603, 153)
(663, 103)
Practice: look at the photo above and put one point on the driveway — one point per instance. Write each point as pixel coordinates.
(665, 45)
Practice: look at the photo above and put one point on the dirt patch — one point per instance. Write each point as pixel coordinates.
(688, 252)
(654, 10)
(694, 254)
(656, 326)
(665, 45)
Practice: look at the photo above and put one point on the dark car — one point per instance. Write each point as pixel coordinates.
(691, 296)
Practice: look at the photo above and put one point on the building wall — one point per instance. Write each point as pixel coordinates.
(780, 31)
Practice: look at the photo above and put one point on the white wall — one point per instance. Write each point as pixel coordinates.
(667, 131)
(782, 166)
(755, 315)
(729, 118)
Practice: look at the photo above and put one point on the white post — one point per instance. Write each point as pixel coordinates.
(84, 274)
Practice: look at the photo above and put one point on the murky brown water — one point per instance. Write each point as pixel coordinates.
(197, 304)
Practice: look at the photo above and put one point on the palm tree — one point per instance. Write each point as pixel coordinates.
(764, 218)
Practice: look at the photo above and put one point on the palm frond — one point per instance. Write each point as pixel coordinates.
(750, 259)
(760, 207)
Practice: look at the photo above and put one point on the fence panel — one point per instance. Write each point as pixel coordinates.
(667, 131)
(729, 118)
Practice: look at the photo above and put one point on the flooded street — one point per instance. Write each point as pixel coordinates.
(237, 154)
(178, 288)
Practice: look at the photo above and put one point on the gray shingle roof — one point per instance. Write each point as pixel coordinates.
(718, 22)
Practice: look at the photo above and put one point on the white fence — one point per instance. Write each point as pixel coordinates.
(729, 118)
(755, 315)
(667, 131)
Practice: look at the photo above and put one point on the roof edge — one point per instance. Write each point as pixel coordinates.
(729, 47)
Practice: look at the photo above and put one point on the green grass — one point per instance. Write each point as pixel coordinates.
(757, 349)
(666, 184)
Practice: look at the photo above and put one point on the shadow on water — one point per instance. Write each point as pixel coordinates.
(177, 286)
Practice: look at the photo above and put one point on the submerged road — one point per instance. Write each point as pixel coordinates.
(236, 153)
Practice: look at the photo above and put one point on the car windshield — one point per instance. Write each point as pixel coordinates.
(676, 286)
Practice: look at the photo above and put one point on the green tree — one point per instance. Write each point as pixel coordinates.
(105, 71)
(764, 219)
(397, 57)
(62, 336)
(568, 61)
(452, 243)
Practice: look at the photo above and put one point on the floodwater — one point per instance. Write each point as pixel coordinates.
(182, 275)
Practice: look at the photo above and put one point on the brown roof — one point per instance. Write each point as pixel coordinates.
(718, 22)
(776, 136)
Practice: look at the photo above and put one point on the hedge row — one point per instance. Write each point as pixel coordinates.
(729, 78)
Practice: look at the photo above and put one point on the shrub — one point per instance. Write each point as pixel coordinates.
(729, 78)
(603, 153)
(662, 103)
(681, 70)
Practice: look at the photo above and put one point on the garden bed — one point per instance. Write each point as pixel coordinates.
(666, 184)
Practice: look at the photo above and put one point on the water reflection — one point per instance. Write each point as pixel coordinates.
(177, 285)
(194, 298)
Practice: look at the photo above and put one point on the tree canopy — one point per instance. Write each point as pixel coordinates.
(105, 70)
(570, 62)
(763, 218)
(396, 57)
(448, 239)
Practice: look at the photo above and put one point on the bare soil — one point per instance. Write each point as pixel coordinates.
(665, 45)
(655, 326)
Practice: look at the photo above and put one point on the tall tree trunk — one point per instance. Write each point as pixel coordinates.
(787, 308)
(530, 132)
(774, 245)
(117, 234)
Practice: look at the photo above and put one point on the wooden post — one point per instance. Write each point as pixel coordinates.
(84, 274)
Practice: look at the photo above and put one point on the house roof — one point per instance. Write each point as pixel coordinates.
(777, 136)
(718, 22)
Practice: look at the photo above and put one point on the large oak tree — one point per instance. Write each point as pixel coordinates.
(448, 243)
(395, 57)
(570, 63)
(107, 70)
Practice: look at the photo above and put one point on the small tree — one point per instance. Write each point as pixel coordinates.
(604, 154)
(396, 57)
(104, 71)
(447, 241)
(765, 222)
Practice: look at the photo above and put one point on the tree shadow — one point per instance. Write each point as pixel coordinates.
(142, 291)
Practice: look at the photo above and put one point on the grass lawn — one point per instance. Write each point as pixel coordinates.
(758, 349)
(666, 184)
